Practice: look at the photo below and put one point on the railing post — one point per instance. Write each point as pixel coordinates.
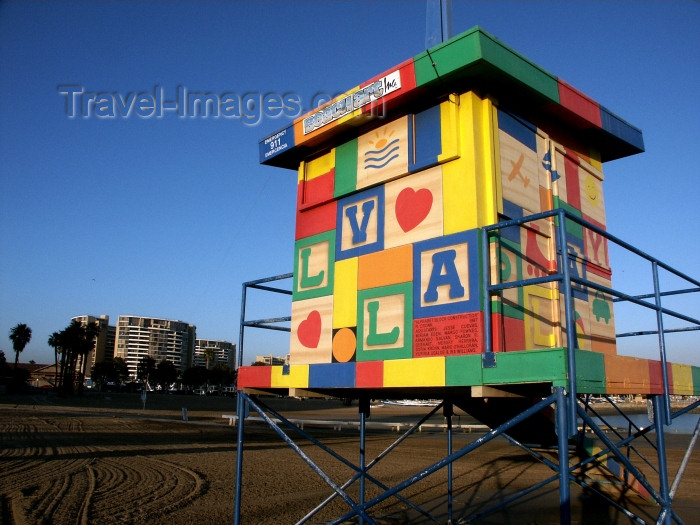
(488, 358)
(569, 313)
(563, 450)
(662, 346)
(659, 413)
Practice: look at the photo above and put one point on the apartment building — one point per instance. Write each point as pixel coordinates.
(105, 341)
(160, 339)
(223, 352)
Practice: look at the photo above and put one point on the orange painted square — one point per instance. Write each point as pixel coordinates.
(626, 375)
(385, 267)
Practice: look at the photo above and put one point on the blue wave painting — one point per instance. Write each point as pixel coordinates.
(376, 159)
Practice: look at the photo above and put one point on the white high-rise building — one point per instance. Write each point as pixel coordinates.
(223, 352)
(160, 339)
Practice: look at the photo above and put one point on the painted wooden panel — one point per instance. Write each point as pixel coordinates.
(294, 376)
(360, 223)
(382, 154)
(254, 376)
(332, 376)
(519, 170)
(456, 334)
(591, 185)
(314, 265)
(446, 275)
(345, 293)
(369, 374)
(541, 317)
(318, 166)
(413, 208)
(313, 221)
(384, 326)
(424, 143)
(627, 375)
(387, 267)
(682, 379)
(508, 333)
(528, 366)
(463, 370)
(429, 371)
(311, 331)
(346, 168)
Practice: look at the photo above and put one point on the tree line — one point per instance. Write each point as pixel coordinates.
(72, 346)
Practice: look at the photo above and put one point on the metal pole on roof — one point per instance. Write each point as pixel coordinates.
(438, 22)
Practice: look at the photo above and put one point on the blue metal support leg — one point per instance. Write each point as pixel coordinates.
(563, 449)
(364, 414)
(448, 412)
(659, 403)
(240, 412)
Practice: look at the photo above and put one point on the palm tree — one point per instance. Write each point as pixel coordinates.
(209, 354)
(20, 334)
(55, 341)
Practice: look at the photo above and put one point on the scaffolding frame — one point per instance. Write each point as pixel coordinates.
(572, 411)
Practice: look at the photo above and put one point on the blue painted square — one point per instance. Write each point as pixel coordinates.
(332, 375)
(518, 129)
(424, 139)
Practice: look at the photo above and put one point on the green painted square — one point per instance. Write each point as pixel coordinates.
(477, 53)
(590, 372)
(302, 273)
(528, 366)
(448, 57)
(345, 168)
(370, 333)
(463, 370)
(511, 310)
(572, 228)
(519, 67)
(696, 380)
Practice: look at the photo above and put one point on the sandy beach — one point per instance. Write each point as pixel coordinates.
(105, 459)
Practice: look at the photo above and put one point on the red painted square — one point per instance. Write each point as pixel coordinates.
(254, 377)
(456, 334)
(369, 374)
(315, 220)
(580, 104)
(508, 333)
(315, 191)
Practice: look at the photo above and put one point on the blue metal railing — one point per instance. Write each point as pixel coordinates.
(562, 275)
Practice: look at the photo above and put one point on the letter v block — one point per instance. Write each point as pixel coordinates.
(360, 224)
(446, 275)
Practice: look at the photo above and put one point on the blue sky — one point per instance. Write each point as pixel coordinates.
(166, 217)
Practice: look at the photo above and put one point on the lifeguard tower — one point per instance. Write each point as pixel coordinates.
(451, 244)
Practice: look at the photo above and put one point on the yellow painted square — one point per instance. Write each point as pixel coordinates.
(298, 377)
(682, 379)
(428, 371)
(316, 167)
(345, 293)
(541, 317)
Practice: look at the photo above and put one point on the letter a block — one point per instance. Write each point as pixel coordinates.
(446, 275)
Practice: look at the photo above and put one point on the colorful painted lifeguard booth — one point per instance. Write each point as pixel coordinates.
(451, 242)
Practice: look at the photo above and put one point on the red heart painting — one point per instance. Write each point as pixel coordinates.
(309, 332)
(412, 207)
